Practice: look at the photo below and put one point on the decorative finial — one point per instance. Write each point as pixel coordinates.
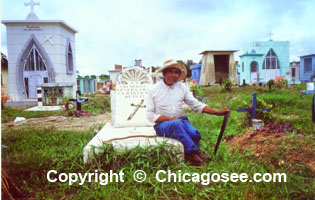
(32, 5)
(32, 15)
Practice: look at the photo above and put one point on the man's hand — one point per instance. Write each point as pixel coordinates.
(223, 111)
(164, 118)
(212, 111)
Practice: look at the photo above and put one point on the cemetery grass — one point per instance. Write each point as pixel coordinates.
(9, 114)
(97, 104)
(31, 153)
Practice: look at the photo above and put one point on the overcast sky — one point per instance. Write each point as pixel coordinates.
(120, 31)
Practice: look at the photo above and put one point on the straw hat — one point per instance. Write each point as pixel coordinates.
(171, 63)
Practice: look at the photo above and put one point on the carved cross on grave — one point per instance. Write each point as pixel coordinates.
(32, 5)
(253, 109)
(137, 106)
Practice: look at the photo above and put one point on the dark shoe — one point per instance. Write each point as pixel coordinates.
(203, 156)
(194, 158)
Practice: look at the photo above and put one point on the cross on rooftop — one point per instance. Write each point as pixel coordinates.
(270, 34)
(32, 5)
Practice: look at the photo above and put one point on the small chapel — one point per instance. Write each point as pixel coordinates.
(41, 54)
(264, 60)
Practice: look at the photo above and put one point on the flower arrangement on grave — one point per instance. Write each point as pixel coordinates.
(4, 97)
(66, 100)
(280, 82)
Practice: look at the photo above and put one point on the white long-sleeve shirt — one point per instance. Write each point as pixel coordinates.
(164, 100)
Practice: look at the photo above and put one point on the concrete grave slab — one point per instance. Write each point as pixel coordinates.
(127, 138)
(45, 108)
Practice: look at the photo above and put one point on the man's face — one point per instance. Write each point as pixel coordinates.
(171, 76)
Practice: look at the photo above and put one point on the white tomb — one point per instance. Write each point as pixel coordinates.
(129, 127)
(39, 52)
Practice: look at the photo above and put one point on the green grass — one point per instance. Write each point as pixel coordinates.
(96, 104)
(31, 153)
(9, 114)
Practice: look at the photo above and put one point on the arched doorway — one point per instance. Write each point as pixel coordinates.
(34, 67)
(34, 72)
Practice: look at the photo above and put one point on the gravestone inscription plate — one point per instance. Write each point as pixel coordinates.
(128, 100)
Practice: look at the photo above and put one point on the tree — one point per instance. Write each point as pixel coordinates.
(93, 76)
(187, 64)
(104, 77)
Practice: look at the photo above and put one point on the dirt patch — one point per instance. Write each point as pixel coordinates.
(273, 145)
(82, 123)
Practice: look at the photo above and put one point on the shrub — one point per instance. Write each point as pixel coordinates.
(97, 104)
(299, 87)
(270, 83)
(228, 85)
(198, 92)
(266, 117)
(4, 97)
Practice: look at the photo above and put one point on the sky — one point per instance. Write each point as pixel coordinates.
(119, 31)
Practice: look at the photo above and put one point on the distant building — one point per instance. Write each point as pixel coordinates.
(114, 73)
(217, 66)
(41, 53)
(307, 68)
(86, 84)
(195, 72)
(264, 60)
(294, 75)
(156, 75)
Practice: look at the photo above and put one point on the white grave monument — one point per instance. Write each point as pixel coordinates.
(129, 127)
(40, 53)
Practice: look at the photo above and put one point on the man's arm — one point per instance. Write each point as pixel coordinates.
(212, 111)
(164, 118)
(201, 107)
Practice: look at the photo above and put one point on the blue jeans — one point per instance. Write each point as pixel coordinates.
(181, 130)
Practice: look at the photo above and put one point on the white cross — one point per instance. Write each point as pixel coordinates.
(270, 34)
(32, 5)
(48, 39)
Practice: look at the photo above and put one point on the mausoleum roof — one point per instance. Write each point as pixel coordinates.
(218, 51)
(252, 54)
(10, 22)
(115, 70)
(310, 55)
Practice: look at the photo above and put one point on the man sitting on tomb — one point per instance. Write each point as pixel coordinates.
(164, 108)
